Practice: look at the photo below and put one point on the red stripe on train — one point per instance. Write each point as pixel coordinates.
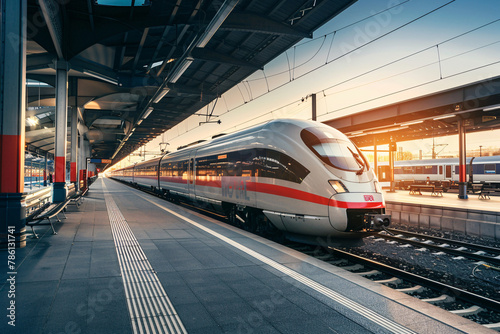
(173, 179)
(273, 189)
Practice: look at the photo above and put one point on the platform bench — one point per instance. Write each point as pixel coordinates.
(52, 211)
(416, 189)
(77, 198)
(485, 192)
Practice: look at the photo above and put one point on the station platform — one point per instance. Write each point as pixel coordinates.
(472, 216)
(449, 199)
(129, 262)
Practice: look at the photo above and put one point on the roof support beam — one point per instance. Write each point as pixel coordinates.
(50, 10)
(39, 140)
(158, 48)
(241, 21)
(217, 57)
(214, 25)
(139, 49)
(39, 61)
(91, 15)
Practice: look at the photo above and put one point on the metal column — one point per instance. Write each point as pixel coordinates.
(313, 107)
(462, 161)
(45, 170)
(74, 147)
(12, 122)
(60, 189)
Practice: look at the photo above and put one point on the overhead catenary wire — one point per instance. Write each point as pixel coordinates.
(322, 65)
(324, 90)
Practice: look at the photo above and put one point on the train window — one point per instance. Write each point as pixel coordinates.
(440, 170)
(174, 169)
(252, 162)
(336, 152)
(430, 170)
(490, 169)
(408, 170)
(274, 164)
(233, 166)
(247, 166)
(478, 169)
(212, 166)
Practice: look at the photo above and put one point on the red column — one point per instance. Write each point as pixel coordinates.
(72, 175)
(12, 123)
(59, 191)
(12, 163)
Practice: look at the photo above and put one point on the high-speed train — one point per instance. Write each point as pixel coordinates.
(444, 171)
(300, 177)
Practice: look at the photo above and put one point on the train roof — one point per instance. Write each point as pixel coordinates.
(272, 125)
(447, 161)
(276, 125)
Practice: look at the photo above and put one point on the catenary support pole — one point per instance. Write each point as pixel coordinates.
(462, 161)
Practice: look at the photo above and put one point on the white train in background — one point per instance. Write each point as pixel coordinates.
(300, 177)
(441, 171)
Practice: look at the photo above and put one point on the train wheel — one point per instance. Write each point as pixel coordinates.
(251, 222)
(231, 216)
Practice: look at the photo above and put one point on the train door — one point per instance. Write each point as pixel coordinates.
(191, 181)
(384, 173)
(447, 172)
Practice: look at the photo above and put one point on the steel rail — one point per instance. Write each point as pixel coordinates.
(452, 251)
(458, 293)
(492, 250)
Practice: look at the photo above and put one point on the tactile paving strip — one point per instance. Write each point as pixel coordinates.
(149, 306)
(388, 324)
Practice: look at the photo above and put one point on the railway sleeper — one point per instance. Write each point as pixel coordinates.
(353, 267)
(468, 311)
(495, 327)
(413, 289)
(439, 300)
(369, 273)
(392, 280)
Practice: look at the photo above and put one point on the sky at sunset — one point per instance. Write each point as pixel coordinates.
(372, 54)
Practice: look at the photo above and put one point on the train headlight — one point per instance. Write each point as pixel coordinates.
(338, 186)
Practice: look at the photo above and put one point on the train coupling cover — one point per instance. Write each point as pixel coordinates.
(376, 221)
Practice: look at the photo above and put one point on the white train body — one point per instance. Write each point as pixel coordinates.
(305, 177)
(484, 170)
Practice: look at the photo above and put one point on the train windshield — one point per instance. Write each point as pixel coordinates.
(334, 150)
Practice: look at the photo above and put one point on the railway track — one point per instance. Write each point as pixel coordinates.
(480, 309)
(456, 248)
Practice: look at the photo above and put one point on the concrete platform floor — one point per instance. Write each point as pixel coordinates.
(218, 279)
(447, 200)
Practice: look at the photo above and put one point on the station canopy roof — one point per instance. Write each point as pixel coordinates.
(138, 68)
(476, 105)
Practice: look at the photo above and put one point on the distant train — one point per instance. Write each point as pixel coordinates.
(300, 177)
(443, 171)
